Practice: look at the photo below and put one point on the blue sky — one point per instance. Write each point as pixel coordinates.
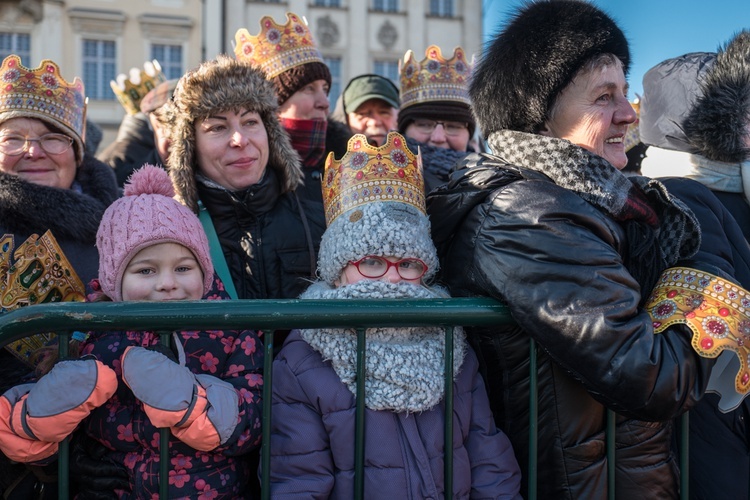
(656, 29)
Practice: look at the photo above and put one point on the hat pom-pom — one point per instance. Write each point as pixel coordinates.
(149, 179)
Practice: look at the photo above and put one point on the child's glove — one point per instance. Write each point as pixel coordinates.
(35, 417)
(201, 410)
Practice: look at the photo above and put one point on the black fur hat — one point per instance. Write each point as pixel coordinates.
(535, 56)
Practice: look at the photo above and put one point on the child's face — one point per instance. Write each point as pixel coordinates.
(373, 265)
(165, 271)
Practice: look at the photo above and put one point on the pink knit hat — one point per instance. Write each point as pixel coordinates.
(146, 215)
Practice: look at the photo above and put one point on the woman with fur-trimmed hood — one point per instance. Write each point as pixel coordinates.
(695, 114)
(231, 160)
(590, 263)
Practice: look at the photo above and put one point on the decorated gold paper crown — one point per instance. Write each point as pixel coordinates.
(368, 173)
(131, 89)
(435, 78)
(277, 48)
(36, 272)
(43, 93)
(716, 311)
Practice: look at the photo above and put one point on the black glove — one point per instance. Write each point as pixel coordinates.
(94, 475)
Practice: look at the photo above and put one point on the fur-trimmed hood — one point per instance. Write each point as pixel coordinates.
(217, 86)
(27, 208)
(699, 103)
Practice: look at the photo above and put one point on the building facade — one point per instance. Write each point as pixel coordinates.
(99, 39)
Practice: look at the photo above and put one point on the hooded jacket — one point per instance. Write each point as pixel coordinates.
(514, 235)
(268, 235)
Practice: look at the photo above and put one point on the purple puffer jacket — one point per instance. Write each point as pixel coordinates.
(122, 425)
(312, 438)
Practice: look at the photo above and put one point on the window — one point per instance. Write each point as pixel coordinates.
(327, 3)
(385, 5)
(334, 64)
(99, 68)
(441, 8)
(170, 59)
(18, 44)
(387, 69)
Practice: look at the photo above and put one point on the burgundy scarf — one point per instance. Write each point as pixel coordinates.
(308, 138)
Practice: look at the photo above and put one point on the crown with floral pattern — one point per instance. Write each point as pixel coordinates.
(277, 48)
(43, 93)
(36, 272)
(131, 89)
(435, 78)
(368, 173)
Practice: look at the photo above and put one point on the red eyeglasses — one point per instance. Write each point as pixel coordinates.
(373, 266)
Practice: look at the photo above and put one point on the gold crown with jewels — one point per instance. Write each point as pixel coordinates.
(435, 78)
(277, 48)
(42, 92)
(131, 89)
(367, 174)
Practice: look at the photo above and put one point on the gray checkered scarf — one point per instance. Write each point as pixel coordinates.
(404, 367)
(675, 236)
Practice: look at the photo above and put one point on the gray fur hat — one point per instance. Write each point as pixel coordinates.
(221, 85)
(377, 228)
(537, 54)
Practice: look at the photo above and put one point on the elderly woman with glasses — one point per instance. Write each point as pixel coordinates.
(435, 114)
(48, 184)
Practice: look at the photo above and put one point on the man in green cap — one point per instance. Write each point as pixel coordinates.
(369, 105)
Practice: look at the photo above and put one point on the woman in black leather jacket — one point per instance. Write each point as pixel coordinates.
(550, 226)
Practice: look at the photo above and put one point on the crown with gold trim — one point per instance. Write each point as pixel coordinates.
(277, 48)
(36, 272)
(435, 78)
(131, 89)
(369, 173)
(43, 93)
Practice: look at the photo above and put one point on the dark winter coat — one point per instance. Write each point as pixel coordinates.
(271, 251)
(313, 433)
(132, 147)
(557, 261)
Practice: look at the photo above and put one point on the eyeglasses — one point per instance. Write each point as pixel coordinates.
(450, 128)
(372, 266)
(54, 144)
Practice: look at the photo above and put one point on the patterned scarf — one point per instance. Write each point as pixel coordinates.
(308, 138)
(660, 229)
(404, 367)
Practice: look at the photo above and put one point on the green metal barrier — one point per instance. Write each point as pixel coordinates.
(268, 315)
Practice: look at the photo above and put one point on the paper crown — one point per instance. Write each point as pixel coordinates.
(277, 48)
(42, 92)
(366, 174)
(130, 90)
(36, 272)
(435, 78)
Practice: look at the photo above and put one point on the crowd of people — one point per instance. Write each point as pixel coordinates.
(238, 181)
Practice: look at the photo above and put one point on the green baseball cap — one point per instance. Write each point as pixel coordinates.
(365, 87)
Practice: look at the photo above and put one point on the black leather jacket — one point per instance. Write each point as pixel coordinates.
(270, 253)
(557, 261)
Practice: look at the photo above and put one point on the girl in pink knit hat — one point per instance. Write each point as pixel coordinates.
(206, 388)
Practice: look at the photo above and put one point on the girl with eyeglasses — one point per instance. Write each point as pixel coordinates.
(371, 250)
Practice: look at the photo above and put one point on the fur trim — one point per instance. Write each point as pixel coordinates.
(717, 124)
(30, 208)
(216, 86)
(524, 69)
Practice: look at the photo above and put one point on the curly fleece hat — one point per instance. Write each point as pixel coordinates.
(377, 228)
(146, 215)
(527, 65)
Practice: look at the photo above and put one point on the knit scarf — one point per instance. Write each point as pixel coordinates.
(660, 229)
(404, 367)
(715, 175)
(308, 138)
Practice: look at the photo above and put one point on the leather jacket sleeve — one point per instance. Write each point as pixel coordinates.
(556, 261)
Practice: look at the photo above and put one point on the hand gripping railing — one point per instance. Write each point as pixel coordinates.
(267, 315)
